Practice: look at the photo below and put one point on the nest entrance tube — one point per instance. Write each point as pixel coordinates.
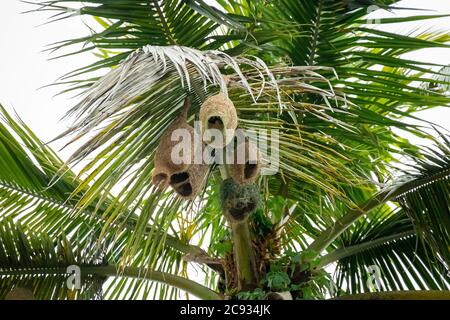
(184, 190)
(215, 123)
(218, 115)
(246, 165)
(160, 179)
(179, 177)
(250, 170)
(240, 210)
(188, 184)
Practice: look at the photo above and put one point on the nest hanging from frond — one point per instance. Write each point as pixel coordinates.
(188, 184)
(186, 177)
(218, 112)
(164, 166)
(246, 166)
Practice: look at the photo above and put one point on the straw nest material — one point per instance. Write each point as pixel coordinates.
(164, 167)
(186, 178)
(188, 184)
(20, 294)
(239, 201)
(218, 112)
(246, 166)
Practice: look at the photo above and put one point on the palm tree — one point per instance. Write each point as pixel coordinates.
(342, 217)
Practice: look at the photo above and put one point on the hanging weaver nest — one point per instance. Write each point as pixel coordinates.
(186, 178)
(218, 112)
(188, 184)
(246, 166)
(163, 163)
(239, 201)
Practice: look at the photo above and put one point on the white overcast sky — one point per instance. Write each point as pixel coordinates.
(24, 67)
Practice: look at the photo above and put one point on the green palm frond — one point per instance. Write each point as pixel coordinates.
(131, 123)
(428, 205)
(37, 262)
(27, 170)
(388, 240)
(432, 172)
(31, 196)
(378, 81)
(129, 25)
(339, 92)
(46, 266)
(409, 244)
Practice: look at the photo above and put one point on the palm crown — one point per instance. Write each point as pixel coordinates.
(338, 92)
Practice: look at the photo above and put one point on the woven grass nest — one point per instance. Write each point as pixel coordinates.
(186, 178)
(239, 201)
(218, 112)
(246, 166)
(188, 184)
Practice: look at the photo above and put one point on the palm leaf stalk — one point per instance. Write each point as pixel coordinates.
(41, 206)
(434, 172)
(400, 295)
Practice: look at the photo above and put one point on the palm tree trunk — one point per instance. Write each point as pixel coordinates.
(244, 257)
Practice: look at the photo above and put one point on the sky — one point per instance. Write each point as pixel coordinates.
(25, 66)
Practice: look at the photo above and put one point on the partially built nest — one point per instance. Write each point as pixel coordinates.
(246, 166)
(239, 201)
(218, 112)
